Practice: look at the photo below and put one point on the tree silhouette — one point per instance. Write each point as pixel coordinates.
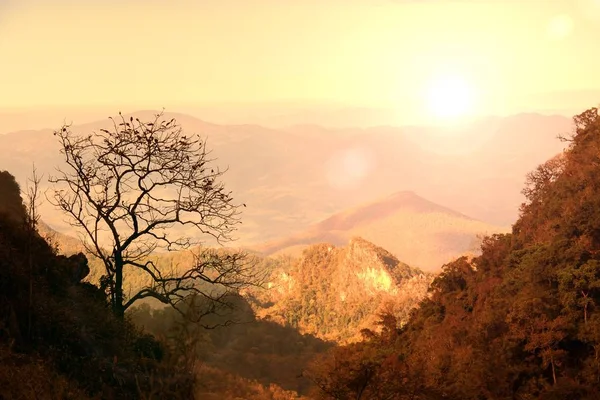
(142, 187)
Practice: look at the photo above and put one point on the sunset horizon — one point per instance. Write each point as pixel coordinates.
(300, 199)
(494, 57)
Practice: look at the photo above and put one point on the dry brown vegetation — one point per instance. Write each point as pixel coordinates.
(518, 321)
(521, 321)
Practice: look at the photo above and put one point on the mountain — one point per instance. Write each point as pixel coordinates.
(293, 178)
(418, 231)
(521, 321)
(334, 292)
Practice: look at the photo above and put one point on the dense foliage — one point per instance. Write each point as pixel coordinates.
(334, 292)
(519, 322)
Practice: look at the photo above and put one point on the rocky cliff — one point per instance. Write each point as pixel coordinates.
(334, 292)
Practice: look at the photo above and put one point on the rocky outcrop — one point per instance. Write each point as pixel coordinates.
(334, 292)
(75, 268)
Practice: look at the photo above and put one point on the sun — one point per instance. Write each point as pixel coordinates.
(449, 97)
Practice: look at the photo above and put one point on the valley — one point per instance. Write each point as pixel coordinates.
(340, 276)
(338, 248)
(299, 200)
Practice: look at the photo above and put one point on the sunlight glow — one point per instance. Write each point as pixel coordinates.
(560, 27)
(450, 97)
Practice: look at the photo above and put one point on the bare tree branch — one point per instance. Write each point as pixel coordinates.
(132, 190)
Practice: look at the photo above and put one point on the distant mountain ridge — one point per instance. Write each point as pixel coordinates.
(414, 229)
(408, 201)
(292, 179)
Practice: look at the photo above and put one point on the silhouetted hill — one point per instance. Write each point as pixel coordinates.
(58, 338)
(251, 359)
(11, 203)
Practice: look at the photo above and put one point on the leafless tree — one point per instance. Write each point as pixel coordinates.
(32, 218)
(142, 187)
(32, 199)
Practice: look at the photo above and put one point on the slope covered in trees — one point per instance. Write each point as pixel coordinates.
(334, 292)
(308, 304)
(58, 338)
(519, 322)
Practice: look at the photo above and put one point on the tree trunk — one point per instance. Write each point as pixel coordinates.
(30, 260)
(553, 370)
(118, 309)
(585, 296)
(596, 356)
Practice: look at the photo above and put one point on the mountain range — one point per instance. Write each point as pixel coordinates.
(294, 179)
(417, 231)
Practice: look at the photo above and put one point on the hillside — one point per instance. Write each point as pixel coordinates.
(254, 359)
(58, 338)
(424, 234)
(65, 244)
(521, 321)
(333, 279)
(334, 292)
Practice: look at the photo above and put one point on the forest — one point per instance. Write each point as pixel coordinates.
(519, 320)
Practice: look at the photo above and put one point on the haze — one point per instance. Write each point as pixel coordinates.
(299, 199)
(419, 110)
(511, 56)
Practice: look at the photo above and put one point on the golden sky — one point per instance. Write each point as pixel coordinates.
(360, 52)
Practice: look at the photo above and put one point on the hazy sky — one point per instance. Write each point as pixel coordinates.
(362, 52)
